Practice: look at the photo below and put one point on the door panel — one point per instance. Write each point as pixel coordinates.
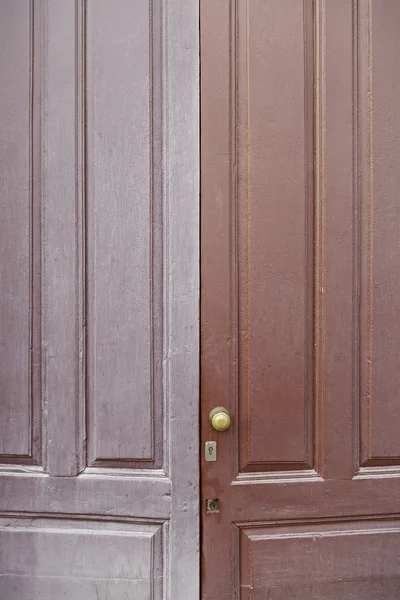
(99, 300)
(19, 373)
(274, 102)
(379, 244)
(54, 551)
(124, 328)
(319, 561)
(300, 181)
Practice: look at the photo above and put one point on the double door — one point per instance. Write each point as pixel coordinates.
(100, 442)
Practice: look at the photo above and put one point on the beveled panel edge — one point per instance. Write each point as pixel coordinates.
(158, 474)
(80, 193)
(380, 471)
(320, 167)
(335, 522)
(121, 472)
(365, 200)
(18, 469)
(301, 475)
(154, 524)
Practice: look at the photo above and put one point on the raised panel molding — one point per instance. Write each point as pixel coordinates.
(20, 231)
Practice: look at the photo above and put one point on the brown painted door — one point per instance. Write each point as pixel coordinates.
(300, 298)
(98, 300)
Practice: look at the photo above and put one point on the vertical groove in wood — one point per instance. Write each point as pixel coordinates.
(234, 232)
(320, 235)
(80, 258)
(31, 224)
(157, 134)
(309, 199)
(43, 141)
(356, 416)
(36, 245)
(366, 249)
(243, 162)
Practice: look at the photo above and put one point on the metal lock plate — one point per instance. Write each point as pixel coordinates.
(212, 505)
(211, 451)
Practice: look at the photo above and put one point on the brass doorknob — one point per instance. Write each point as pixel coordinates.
(220, 418)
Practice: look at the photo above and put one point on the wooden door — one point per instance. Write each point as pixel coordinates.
(99, 299)
(300, 298)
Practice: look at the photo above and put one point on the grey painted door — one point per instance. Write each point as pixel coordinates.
(98, 299)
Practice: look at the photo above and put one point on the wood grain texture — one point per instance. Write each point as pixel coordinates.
(336, 172)
(182, 251)
(125, 255)
(19, 236)
(379, 155)
(63, 223)
(42, 554)
(145, 497)
(118, 148)
(309, 561)
(274, 274)
(350, 513)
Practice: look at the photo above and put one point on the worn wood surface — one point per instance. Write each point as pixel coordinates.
(124, 246)
(300, 318)
(19, 284)
(99, 276)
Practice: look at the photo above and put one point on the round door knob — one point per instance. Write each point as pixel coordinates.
(220, 419)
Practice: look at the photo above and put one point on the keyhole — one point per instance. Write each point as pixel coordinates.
(210, 450)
